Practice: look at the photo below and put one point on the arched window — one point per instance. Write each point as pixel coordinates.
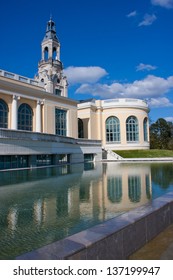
(145, 127)
(80, 129)
(3, 114)
(54, 53)
(112, 129)
(25, 116)
(132, 130)
(46, 53)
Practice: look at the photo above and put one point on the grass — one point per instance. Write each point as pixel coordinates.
(145, 153)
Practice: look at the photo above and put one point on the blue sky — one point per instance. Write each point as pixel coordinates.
(109, 48)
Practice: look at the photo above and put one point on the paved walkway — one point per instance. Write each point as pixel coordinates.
(161, 159)
(166, 159)
(160, 248)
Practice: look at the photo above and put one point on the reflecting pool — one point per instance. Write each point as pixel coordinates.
(40, 206)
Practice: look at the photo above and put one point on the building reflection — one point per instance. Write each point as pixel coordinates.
(94, 194)
(118, 189)
(12, 218)
(61, 203)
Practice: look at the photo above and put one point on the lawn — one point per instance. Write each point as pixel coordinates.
(145, 153)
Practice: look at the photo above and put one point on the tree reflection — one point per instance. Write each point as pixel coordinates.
(161, 174)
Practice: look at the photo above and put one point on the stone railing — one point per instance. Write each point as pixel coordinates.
(125, 102)
(18, 78)
(36, 136)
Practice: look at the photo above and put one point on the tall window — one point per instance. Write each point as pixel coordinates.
(54, 53)
(132, 131)
(112, 129)
(3, 114)
(80, 129)
(145, 130)
(25, 117)
(60, 122)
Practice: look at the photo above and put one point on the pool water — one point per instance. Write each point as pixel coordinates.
(40, 206)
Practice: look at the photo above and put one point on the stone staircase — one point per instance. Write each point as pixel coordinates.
(108, 154)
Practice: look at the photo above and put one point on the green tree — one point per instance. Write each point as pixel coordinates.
(160, 134)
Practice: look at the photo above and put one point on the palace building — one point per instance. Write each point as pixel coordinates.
(121, 124)
(40, 125)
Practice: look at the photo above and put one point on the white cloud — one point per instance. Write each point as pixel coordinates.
(142, 67)
(163, 3)
(169, 119)
(148, 20)
(90, 74)
(132, 14)
(102, 90)
(160, 102)
(151, 87)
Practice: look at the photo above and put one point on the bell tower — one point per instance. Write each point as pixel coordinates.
(50, 68)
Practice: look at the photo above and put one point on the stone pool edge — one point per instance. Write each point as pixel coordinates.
(114, 239)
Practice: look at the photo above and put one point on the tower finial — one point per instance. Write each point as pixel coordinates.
(51, 30)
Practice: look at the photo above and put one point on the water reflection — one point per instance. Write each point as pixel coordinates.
(162, 174)
(40, 206)
(114, 189)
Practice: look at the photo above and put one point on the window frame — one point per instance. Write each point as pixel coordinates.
(112, 128)
(132, 129)
(3, 114)
(145, 129)
(60, 122)
(25, 117)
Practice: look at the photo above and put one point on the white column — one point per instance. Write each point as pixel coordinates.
(14, 112)
(38, 116)
(63, 82)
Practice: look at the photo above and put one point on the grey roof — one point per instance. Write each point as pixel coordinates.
(51, 31)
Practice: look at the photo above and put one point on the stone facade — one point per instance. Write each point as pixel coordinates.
(121, 124)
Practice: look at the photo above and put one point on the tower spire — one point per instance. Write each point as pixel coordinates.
(51, 30)
(50, 67)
